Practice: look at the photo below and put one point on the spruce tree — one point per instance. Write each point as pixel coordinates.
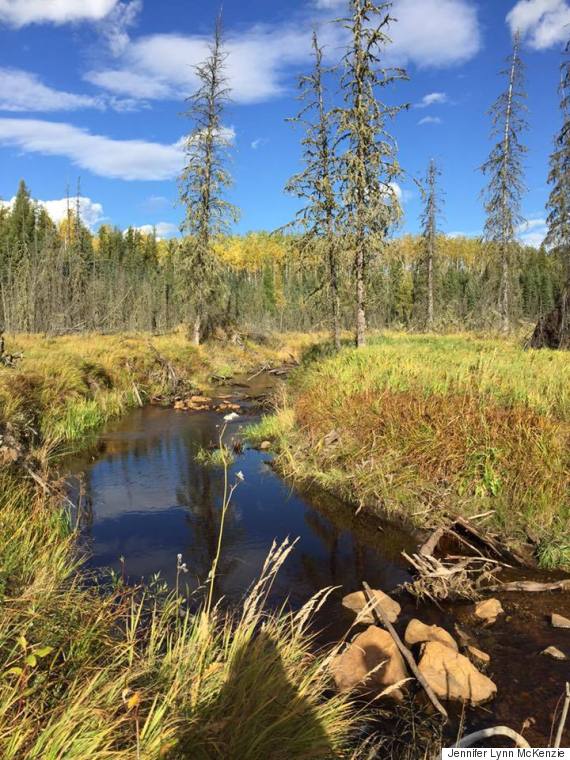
(317, 183)
(369, 164)
(429, 219)
(203, 183)
(504, 167)
(554, 330)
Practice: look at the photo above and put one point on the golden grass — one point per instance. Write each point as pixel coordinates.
(131, 674)
(436, 424)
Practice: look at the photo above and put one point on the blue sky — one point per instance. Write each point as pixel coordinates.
(94, 89)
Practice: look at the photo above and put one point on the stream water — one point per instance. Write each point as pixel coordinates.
(146, 499)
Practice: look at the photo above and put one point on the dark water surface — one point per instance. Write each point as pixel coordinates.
(147, 500)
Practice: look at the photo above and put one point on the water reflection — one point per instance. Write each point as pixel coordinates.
(151, 500)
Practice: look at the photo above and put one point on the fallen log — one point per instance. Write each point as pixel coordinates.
(487, 733)
(407, 655)
(563, 718)
(533, 586)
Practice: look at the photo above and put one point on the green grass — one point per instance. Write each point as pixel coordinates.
(130, 675)
(436, 425)
(88, 674)
(220, 457)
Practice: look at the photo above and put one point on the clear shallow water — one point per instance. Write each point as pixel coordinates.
(149, 500)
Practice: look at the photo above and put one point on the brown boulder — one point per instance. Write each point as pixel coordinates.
(555, 653)
(372, 663)
(357, 601)
(489, 610)
(558, 621)
(417, 633)
(478, 656)
(453, 677)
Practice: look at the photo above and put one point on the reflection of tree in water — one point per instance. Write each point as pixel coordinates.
(201, 490)
(258, 714)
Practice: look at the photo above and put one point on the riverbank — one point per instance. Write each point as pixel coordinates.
(131, 673)
(424, 427)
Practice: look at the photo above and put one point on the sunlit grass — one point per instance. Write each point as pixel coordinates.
(436, 425)
(132, 675)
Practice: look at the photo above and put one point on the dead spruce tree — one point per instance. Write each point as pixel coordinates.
(432, 198)
(369, 164)
(553, 330)
(203, 183)
(504, 167)
(317, 183)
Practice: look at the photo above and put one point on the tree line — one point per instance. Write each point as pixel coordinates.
(338, 264)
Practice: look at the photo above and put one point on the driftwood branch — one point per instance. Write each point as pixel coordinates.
(533, 586)
(429, 546)
(403, 649)
(563, 717)
(487, 733)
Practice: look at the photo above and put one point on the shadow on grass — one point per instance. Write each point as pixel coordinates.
(257, 715)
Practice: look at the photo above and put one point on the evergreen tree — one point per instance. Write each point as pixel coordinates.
(369, 164)
(317, 183)
(554, 330)
(504, 167)
(429, 219)
(204, 180)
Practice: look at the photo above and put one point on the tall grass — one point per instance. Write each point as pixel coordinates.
(135, 675)
(433, 425)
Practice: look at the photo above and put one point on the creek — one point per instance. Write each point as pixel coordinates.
(146, 499)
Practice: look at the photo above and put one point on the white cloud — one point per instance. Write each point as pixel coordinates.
(430, 120)
(23, 91)
(262, 57)
(432, 99)
(532, 232)
(435, 33)
(22, 12)
(91, 213)
(163, 230)
(542, 23)
(255, 144)
(104, 156)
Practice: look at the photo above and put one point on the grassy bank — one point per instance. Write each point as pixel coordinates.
(429, 425)
(67, 387)
(132, 674)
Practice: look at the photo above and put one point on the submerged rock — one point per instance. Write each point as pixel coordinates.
(489, 610)
(371, 663)
(559, 621)
(555, 653)
(453, 677)
(478, 656)
(357, 601)
(418, 633)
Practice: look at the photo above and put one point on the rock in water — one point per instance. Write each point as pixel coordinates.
(555, 653)
(559, 621)
(357, 601)
(418, 632)
(372, 650)
(478, 655)
(453, 677)
(265, 445)
(489, 610)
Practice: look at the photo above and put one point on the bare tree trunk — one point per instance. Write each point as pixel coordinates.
(360, 298)
(430, 287)
(196, 337)
(505, 300)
